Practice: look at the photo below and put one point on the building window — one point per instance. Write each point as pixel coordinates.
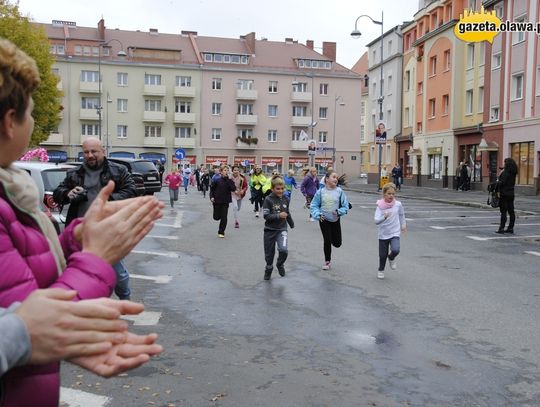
(499, 11)
(420, 88)
(182, 106)
(216, 134)
(447, 60)
(496, 61)
(435, 166)
(433, 66)
(272, 110)
(419, 127)
(480, 99)
(472, 5)
(362, 132)
(494, 114)
(323, 113)
(87, 51)
(272, 87)
(245, 108)
(389, 88)
(121, 78)
(297, 135)
(388, 119)
(407, 81)
(122, 105)
(245, 133)
(216, 109)
(388, 153)
(323, 89)
(150, 79)
(469, 102)
(89, 103)
(184, 81)
(272, 136)
(523, 155)
(151, 105)
(323, 137)
(245, 84)
(216, 84)
(482, 54)
(89, 76)
(432, 108)
(445, 103)
(389, 47)
(517, 86)
(78, 50)
(406, 117)
(519, 36)
(121, 131)
(182, 132)
(299, 111)
(152, 131)
(470, 55)
(372, 155)
(90, 129)
(300, 87)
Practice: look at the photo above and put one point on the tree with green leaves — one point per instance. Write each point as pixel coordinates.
(33, 40)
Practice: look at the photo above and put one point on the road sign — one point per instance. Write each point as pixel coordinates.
(245, 163)
(179, 153)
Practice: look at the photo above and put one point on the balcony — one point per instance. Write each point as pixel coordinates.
(302, 97)
(246, 143)
(153, 116)
(301, 121)
(88, 114)
(184, 142)
(246, 119)
(154, 90)
(154, 141)
(245, 94)
(55, 138)
(184, 118)
(184, 91)
(299, 145)
(89, 87)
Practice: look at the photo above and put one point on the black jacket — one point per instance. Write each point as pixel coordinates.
(124, 186)
(506, 183)
(272, 206)
(221, 190)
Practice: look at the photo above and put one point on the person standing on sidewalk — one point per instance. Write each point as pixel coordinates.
(309, 187)
(397, 175)
(505, 191)
(173, 181)
(241, 184)
(277, 216)
(390, 219)
(220, 195)
(328, 205)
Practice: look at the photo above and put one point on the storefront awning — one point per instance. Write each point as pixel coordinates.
(57, 156)
(154, 157)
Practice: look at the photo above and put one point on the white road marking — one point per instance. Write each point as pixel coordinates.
(162, 279)
(479, 226)
(79, 398)
(163, 237)
(144, 318)
(444, 210)
(177, 221)
(164, 254)
(534, 253)
(458, 217)
(501, 237)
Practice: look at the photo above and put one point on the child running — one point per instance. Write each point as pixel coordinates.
(309, 186)
(241, 187)
(290, 183)
(173, 181)
(327, 206)
(276, 215)
(390, 218)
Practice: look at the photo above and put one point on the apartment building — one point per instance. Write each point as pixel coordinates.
(243, 100)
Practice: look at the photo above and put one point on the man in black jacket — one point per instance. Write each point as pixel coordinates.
(82, 185)
(220, 195)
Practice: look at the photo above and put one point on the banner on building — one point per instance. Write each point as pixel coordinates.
(299, 161)
(216, 159)
(241, 159)
(272, 161)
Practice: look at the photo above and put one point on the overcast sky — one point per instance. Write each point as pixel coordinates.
(318, 20)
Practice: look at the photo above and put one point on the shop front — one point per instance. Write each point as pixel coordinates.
(215, 160)
(322, 164)
(271, 164)
(188, 159)
(297, 163)
(246, 162)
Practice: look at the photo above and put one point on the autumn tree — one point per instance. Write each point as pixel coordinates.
(33, 40)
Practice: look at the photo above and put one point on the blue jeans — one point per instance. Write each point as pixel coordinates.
(383, 250)
(121, 288)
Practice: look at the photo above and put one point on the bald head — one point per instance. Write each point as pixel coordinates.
(93, 151)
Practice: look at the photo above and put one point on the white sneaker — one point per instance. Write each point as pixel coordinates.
(256, 214)
(393, 264)
(380, 274)
(311, 220)
(326, 265)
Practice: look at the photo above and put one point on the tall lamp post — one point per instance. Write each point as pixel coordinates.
(357, 34)
(342, 103)
(120, 53)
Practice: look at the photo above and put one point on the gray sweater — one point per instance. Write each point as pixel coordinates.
(272, 206)
(15, 346)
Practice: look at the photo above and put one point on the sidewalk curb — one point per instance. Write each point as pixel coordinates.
(438, 200)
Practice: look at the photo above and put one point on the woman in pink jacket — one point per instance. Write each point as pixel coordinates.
(31, 254)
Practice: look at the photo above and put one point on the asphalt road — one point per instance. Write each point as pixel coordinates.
(454, 325)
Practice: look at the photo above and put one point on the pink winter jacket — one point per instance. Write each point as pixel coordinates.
(26, 264)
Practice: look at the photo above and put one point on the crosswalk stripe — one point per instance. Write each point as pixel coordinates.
(533, 253)
(501, 237)
(164, 254)
(156, 279)
(78, 398)
(163, 237)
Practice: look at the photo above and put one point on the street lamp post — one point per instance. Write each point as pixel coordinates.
(356, 34)
(109, 101)
(120, 53)
(342, 103)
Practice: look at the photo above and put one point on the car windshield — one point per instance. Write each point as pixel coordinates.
(53, 177)
(143, 166)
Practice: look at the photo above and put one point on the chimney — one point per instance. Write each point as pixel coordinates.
(153, 31)
(250, 42)
(187, 32)
(101, 29)
(329, 50)
(309, 44)
(288, 40)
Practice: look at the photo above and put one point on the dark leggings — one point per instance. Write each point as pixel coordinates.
(331, 232)
(220, 213)
(258, 199)
(393, 243)
(506, 204)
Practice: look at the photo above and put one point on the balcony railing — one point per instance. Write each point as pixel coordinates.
(303, 97)
(154, 141)
(246, 143)
(299, 145)
(245, 94)
(154, 90)
(247, 119)
(184, 118)
(149, 116)
(301, 121)
(89, 87)
(185, 91)
(55, 138)
(184, 142)
(88, 114)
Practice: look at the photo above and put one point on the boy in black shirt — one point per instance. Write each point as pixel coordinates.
(276, 215)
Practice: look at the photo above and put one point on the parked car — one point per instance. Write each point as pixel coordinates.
(140, 168)
(47, 177)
